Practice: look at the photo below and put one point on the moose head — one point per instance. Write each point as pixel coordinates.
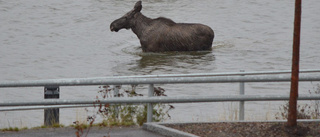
(126, 20)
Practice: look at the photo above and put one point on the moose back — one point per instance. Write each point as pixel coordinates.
(163, 34)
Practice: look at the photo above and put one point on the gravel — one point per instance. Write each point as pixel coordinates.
(249, 129)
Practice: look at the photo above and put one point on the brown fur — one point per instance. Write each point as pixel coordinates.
(162, 34)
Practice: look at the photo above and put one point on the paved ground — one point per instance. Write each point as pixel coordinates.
(94, 132)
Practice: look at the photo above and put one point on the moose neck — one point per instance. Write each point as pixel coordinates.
(140, 23)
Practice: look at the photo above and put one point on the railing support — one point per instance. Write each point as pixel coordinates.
(116, 89)
(241, 103)
(51, 115)
(150, 107)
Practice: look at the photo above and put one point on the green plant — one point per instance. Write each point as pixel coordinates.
(56, 125)
(122, 115)
(127, 115)
(24, 128)
(11, 129)
(307, 111)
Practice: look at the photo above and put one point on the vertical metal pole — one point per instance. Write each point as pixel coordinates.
(241, 103)
(51, 116)
(292, 114)
(150, 107)
(116, 89)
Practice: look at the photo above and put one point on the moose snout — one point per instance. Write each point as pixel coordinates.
(111, 28)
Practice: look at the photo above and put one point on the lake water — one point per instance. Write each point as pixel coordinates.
(71, 39)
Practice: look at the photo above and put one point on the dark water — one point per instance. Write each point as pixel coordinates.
(71, 39)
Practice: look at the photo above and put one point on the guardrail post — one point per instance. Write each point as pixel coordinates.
(241, 103)
(51, 116)
(150, 107)
(116, 89)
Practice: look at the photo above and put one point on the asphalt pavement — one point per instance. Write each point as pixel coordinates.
(93, 132)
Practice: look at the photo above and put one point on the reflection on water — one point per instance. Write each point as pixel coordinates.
(182, 62)
(174, 59)
(140, 63)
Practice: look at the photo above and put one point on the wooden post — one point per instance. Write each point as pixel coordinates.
(292, 115)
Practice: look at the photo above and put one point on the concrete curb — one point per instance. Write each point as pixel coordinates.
(159, 127)
(166, 131)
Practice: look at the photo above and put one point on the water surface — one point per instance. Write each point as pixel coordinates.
(71, 39)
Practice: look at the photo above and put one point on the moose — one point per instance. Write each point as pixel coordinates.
(163, 34)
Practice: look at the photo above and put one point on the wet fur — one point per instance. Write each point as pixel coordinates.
(163, 34)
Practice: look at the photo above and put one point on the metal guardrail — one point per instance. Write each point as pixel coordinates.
(169, 80)
(239, 77)
(34, 107)
(181, 99)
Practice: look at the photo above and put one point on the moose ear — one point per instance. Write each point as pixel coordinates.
(137, 6)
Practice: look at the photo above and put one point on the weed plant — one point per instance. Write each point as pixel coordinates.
(10, 129)
(123, 115)
(127, 115)
(306, 111)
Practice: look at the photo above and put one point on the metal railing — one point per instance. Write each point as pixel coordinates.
(234, 77)
(165, 79)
